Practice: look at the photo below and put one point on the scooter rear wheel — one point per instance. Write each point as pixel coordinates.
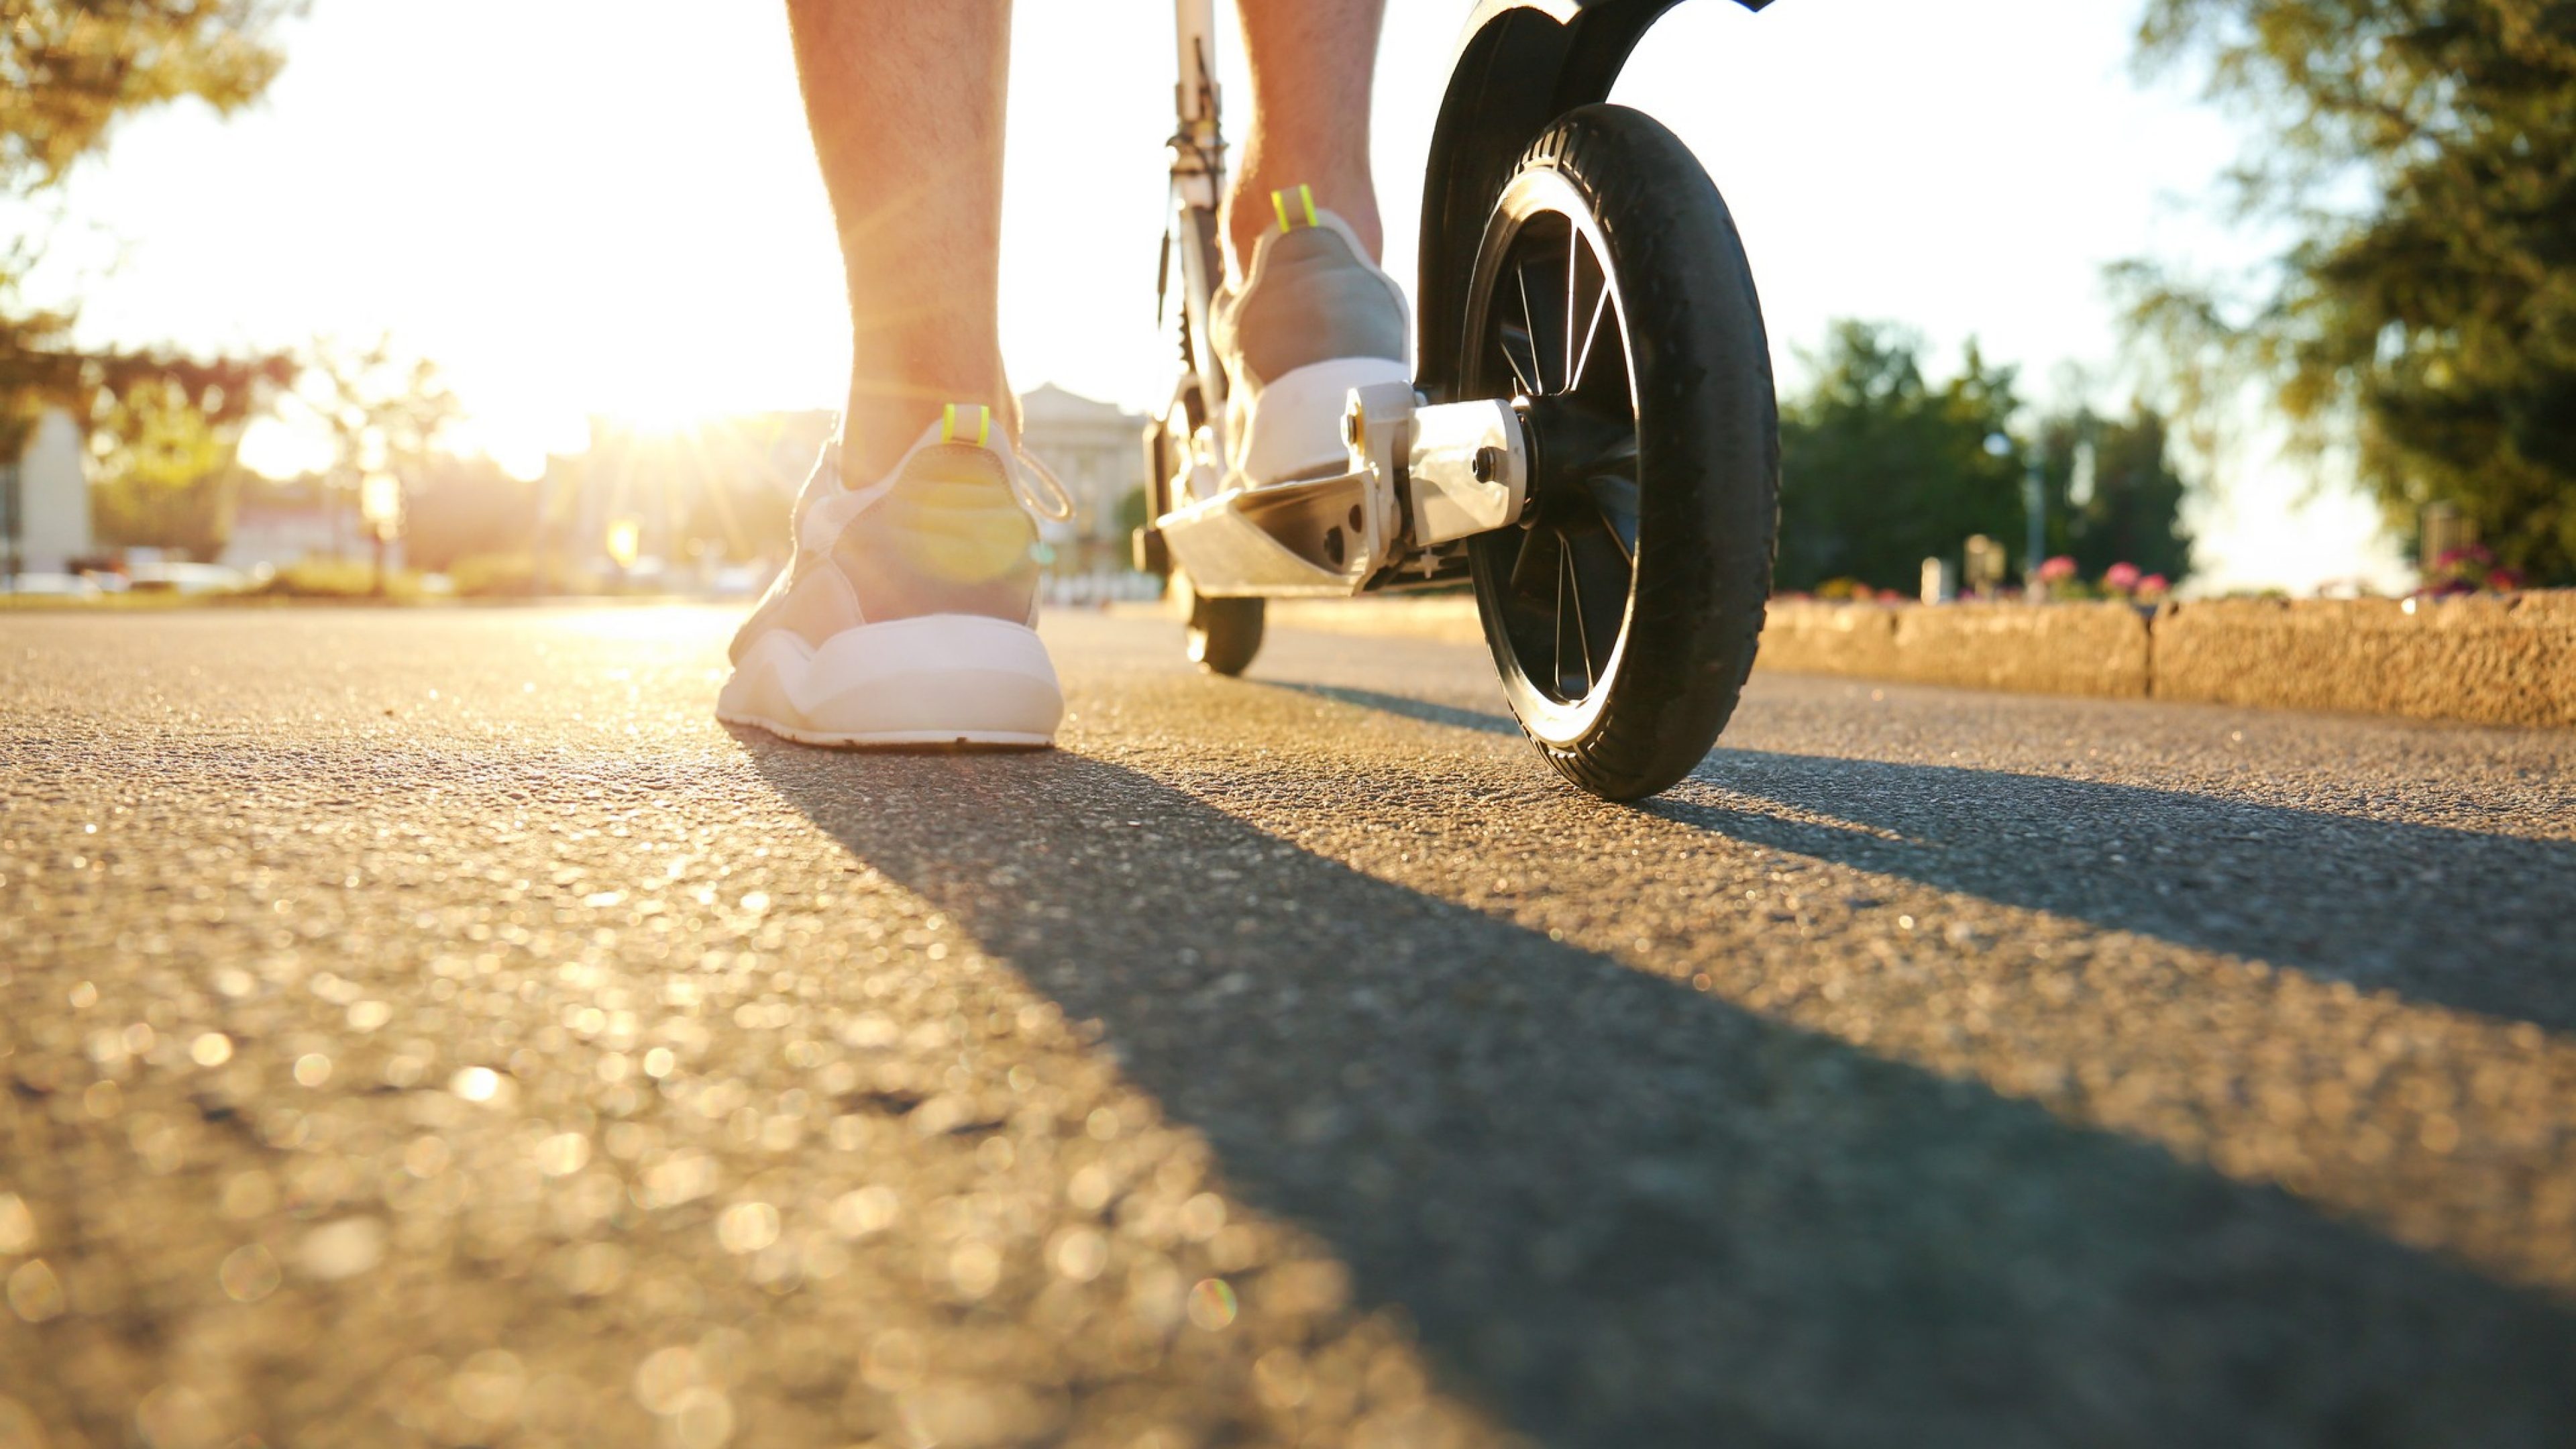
(1611, 299)
(1224, 634)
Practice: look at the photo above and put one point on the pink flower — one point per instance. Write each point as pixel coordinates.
(2057, 570)
(2153, 586)
(2120, 577)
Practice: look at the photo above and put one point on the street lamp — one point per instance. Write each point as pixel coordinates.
(2034, 509)
(380, 505)
(625, 543)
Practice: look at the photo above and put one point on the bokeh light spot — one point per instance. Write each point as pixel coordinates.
(35, 1294)
(1212, 1305)
(248, 1274)
(747, 1227)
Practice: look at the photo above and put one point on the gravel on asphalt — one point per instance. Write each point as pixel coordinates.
(431, 1028)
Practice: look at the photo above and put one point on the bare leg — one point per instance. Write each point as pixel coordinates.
(1312, 62)
(905, 102)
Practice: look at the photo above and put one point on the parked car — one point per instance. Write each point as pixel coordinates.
(742, 580)
(186, 578)
(58, 586)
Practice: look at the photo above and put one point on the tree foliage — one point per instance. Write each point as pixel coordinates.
(2129, 509)
(2432, 322)
(37, 364)
(70, 68)
(1881, 468)
(383, 412)
(165, 432)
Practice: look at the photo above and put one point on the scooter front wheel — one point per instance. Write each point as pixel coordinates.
(1611, 300)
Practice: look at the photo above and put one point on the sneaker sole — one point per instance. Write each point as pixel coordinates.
(943, 680)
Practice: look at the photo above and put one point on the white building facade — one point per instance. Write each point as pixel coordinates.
(1098, 450)
(44, 498)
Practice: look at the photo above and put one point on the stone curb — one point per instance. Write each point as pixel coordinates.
(2500, 659)
(2503, 660)
(2091, 649)
(2488, 659)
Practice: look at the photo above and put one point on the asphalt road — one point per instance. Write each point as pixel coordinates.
(430, 1027)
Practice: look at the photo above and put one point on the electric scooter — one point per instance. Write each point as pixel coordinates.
(1590, 440)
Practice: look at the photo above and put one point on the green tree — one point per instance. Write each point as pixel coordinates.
(37, 363)
(164, 435)
(1881, 468)
(2424, 153)
(2126, 506)
(69, 69)
(383, 413)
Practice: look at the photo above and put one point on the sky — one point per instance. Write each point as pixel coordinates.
(611, 207)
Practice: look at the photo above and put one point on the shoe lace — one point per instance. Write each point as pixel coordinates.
(1036, 485)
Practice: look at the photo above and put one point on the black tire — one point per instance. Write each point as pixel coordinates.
(1224, 634)
(1658, 489)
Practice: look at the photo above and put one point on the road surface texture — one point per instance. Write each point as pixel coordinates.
(430, 1027)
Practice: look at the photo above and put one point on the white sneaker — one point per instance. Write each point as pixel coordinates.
(1313, 319)
(909, 614)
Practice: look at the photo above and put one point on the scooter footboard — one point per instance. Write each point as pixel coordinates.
(1419, 478)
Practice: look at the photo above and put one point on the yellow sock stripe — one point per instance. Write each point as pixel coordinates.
(1305, 203)
(983, 423)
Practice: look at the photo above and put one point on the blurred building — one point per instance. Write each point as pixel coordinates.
(44, 499)
(279, 528)
(651, 500)
(673, 503)
(1097, 449)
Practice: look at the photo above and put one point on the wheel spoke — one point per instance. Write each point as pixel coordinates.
(1570, 605)
(1573, 300)
(1600, 573)
(1544, 313)
(1533, 579)
(1615, 499)
(1564, 579)
(1511, 359)
(1557, 635)
(1537, 380)
(1591, 330)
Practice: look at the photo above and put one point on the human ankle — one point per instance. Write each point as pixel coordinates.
(1343, 191)
(881, 422)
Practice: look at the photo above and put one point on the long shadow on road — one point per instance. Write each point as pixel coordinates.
(1625, 1213)
(2454, 917)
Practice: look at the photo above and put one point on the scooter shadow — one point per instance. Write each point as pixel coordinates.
(2454, 917)
(1624, 1213)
